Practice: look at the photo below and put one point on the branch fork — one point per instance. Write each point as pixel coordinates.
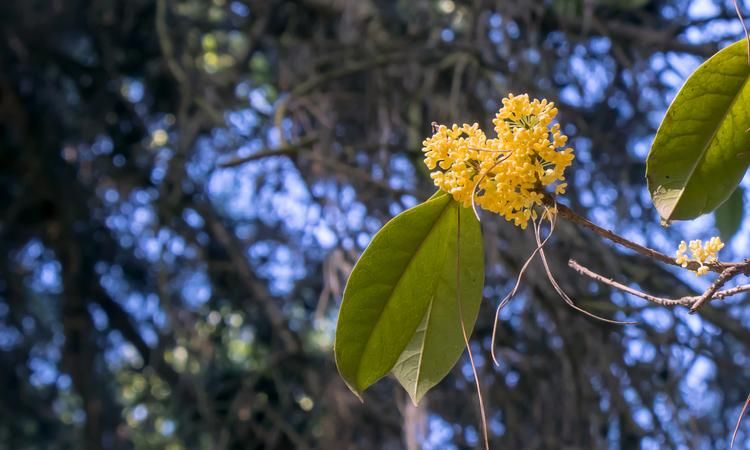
(726, 270)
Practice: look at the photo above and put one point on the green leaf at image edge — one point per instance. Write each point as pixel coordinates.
(728, 216)
(702, 147)
(438, 342)
(385, 297)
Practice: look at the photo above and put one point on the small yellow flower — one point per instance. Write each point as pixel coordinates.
(528, 156)
(702, 254)
(681, 258)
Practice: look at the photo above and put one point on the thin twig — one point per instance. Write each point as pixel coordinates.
(286, 150)
(739, 421)
(463, 332)
(610, 282)
(513, 291)
(744, 27)
(479, 180)
(682, 301)
(486, 150)
(720, 281)
(732, 291)
(572, 216)
(569, 301)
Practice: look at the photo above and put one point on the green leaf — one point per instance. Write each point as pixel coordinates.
(388, 291)
(728, 216)
(702, 148)
(438, 342)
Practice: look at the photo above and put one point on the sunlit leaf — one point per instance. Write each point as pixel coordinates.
(438, 342)
(729, 215)
(702, 147)
(388, 291)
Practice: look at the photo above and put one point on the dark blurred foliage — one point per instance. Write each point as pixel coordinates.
(167, 282)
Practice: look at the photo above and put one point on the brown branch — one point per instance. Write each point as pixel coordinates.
(572, 216)
(726, 271)
(350, 69)
(722, 279)
(666, 39)
(287, 150)
(682, 301)
(573, 264)
(354, 173)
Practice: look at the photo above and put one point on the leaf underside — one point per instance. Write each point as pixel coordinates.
(438, 342)
(702, 147)
(384, 300)
(396, 299)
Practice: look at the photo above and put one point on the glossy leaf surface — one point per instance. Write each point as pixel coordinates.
(702, 148)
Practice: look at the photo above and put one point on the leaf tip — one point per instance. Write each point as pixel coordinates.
(357, 392)
(418, 395)
(354, 390)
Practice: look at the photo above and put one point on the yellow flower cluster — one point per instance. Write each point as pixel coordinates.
(513, 170)
(703, 254)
